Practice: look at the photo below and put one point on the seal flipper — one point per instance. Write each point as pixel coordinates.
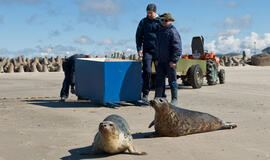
(151, 124)
(228, 125)
(132, 150)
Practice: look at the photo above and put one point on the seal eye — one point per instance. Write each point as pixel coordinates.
(111, 125)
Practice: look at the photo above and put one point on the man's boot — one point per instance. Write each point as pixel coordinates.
(174, 96)
(145, 98)
(72, 90)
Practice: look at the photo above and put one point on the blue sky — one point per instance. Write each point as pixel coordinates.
(99, 27)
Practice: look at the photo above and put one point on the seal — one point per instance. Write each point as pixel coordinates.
(113, 137)
(173, 121)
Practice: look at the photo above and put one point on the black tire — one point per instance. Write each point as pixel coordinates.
(221, 76)
(211, 72)
(185, 81)
(195, 76)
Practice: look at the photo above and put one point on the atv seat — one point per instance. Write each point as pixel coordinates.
(197, 46)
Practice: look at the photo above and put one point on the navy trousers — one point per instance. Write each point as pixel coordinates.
(147, 72)
(69, 79)
(162, 70)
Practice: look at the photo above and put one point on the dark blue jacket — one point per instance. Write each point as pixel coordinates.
(169, 44)
(71, 60)
(69, 63)
(146, 38)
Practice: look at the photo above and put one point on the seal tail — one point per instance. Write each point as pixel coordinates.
(228, 125)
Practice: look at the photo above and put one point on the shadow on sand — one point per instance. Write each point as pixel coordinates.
(80, 104)
(142, 135)
(61, 104)
(76, 154)
(180, 86)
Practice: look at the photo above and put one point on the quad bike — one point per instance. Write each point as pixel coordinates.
(193, 68)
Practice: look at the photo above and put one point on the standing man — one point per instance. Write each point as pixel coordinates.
(68, 67)
(169, 51)
(146, 40)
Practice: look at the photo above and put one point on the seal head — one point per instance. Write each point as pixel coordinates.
(108, 129)
(160, 105)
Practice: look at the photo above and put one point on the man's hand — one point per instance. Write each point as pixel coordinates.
(172, 64)
(140, 54)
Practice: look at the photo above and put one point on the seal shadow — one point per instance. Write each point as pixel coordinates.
(60, 104)
(76, 154)
(141, 135)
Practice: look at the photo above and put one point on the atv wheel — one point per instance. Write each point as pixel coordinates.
(211, 72)
(221, 76)
(195, 76)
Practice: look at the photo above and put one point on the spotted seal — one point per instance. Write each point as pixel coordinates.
(173, 121)
(113, 137)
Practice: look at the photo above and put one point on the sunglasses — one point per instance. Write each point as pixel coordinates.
(164, 20)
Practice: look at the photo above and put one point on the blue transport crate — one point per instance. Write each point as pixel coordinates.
(105, 80)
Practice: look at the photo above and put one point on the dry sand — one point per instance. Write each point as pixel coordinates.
(35, 126)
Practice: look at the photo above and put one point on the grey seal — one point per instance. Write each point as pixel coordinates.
(114, 136)
(173, 121)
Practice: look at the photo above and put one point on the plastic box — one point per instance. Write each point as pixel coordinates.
(106, 80)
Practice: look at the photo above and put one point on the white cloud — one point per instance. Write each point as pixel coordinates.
(130, 51)
(229, 32)
(229, 21)
(56, 50)
(232, 4)
(83, 40)
(244, 21)
(261, 42)
(184, 30)
(109, 42)
(211, 46)
(226, 44)
(102, 13)
(238, 22)
(228, 3)
(27, 52)
(100, 7)
(4, 52)
(105, 42)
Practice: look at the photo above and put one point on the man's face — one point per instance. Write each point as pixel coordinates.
(165, 22)
(151, 14)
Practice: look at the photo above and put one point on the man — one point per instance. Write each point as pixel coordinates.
(169, 51)
(146, 40)
(68, 67)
